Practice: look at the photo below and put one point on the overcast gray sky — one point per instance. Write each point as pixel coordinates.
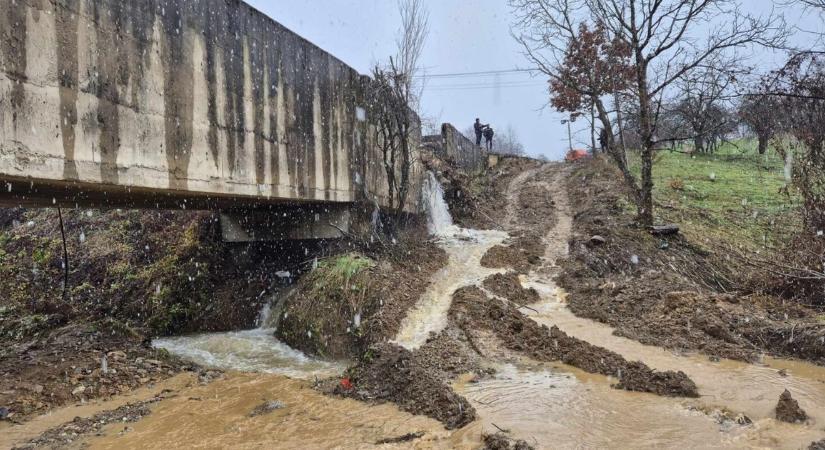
(465, 36)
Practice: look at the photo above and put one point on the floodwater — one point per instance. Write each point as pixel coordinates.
(549, 405)
(464, 249)
(217, 416)
(248, 351)
(558, 406)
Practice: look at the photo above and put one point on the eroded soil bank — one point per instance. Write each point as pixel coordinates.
(669, 291)
(132, 275)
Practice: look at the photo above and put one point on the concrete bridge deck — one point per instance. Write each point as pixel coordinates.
(176, 103)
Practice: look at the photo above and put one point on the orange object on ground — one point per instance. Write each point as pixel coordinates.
(576, 154)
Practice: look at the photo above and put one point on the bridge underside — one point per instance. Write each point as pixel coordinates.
(243, 219)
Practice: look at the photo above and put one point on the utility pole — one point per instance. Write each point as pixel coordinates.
(569, 134)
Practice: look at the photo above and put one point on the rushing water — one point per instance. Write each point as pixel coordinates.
(249, 351)
(439, 220)
(464, 248)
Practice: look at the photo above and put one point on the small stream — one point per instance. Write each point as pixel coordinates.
(464, 248)
(255, 350)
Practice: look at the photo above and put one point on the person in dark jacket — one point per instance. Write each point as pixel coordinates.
(479, 129)
(488, 136)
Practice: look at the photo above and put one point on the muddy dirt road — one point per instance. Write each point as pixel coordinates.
(546, 402)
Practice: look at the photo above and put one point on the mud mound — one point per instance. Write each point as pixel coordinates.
(472, 308)
(389, 373)
(344, 306)
(500, 441)
(449, 354)
(522, 253)
(508, 286)
(788, 410)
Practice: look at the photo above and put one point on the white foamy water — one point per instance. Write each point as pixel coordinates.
(464, 248)
(247, 351)
(439, 220)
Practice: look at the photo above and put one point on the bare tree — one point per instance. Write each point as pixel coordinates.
(663, 47)
(799, 87)
(700, 106)
(394, 99)
(762, 115)
(508, 142)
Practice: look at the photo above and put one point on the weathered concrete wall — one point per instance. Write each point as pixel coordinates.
(152, 101)
(453, 145)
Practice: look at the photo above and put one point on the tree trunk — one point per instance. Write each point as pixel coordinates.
(763, 143)
(698, 144)
(615, 151)
(593, 127)
(645, 204)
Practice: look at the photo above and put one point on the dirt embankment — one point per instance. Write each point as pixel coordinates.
(671, 292)
(479, 200)
(132, 275)
(352, 301)
(529, 212)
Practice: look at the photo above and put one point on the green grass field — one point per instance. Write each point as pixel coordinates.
(733, 195)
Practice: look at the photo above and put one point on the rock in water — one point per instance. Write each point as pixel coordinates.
(788, 410)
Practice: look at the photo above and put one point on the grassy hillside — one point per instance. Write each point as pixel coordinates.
(734, 195)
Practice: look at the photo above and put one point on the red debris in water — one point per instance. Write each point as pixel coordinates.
(346, 383)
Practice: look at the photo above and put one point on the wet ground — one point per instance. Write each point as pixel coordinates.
(550, 405)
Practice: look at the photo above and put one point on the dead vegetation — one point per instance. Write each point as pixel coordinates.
(669, 291)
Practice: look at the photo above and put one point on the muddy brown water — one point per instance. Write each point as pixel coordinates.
(549, 405)
(217, 416)
(558, 406)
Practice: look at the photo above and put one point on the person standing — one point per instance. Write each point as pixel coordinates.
(488, 137)
(479, 129)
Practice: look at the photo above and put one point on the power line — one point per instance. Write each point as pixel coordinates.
(482, 86)
(476, 74)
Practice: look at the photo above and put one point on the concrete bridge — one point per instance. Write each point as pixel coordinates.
(199, 104)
